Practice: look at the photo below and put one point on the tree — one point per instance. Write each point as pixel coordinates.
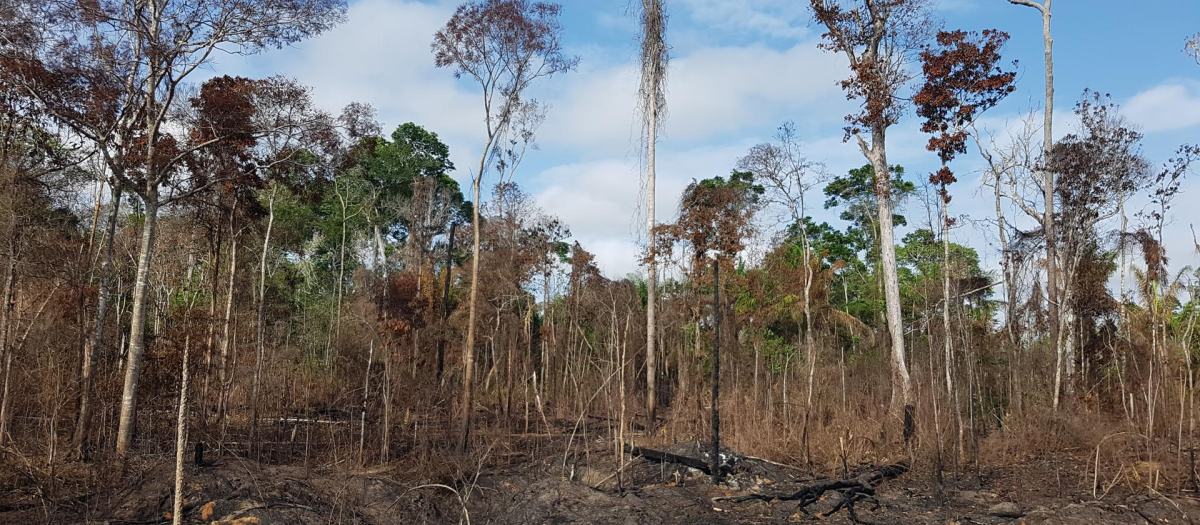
(652, 99)
(1192, 47)
(855, 194)
(877, 37)
(504, 46)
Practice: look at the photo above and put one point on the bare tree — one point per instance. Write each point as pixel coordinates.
(878, 37)
(1192, 47)
(503, 45)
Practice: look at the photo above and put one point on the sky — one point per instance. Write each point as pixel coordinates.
(738, 70)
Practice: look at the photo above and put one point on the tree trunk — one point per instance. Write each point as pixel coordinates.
(260, 349)
(7, 303)
(1048, 226)
(181, 434)
(337, 313)
(137, 324)
(716, 374)
(887, 250)
(91, 354)
(224, 374)
(441, 348)
(362, 412)
(211, 338)
(465, 401)
(386, 441)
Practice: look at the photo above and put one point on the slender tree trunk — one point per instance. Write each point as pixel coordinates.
(466, 404)
(1048, 226)
(210, 339)
(544, 364)
(7, 348)
(137, 324)
(362, 412)
(181, 428)
(651, 270)
(386, 440)
(260, 349)
(716, 373)
(441, 348)
(337, 313)
(91, 354)
(224, 374)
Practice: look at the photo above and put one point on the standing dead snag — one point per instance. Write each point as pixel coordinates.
(1047, 217)
(653, 99)
(504, 45)
(878, 37)
(716, 373)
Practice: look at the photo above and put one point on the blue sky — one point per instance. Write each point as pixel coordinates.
(739, 69)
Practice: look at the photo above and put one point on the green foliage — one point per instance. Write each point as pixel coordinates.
(855, 192)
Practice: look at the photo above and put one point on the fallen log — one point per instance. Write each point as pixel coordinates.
(852, 490)
(667, 457)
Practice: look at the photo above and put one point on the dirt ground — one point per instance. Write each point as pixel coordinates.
(584, 487)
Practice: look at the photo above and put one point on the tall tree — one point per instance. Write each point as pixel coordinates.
(962, 79)
(504, 46)
(1098, 167)
(878, 38)
(652, 100)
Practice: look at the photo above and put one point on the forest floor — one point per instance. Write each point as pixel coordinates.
(548, 487)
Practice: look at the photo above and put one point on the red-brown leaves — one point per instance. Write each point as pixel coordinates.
(404, 306)
(962, 79)
(715, 215)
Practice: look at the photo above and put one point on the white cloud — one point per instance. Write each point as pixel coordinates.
(1165, 107)
(381, 56)
(786, 19)
(601, 201)
(712, 92)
